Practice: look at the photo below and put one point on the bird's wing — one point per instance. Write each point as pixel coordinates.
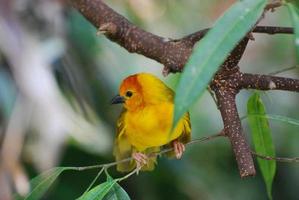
(185, 137)
(122, 148)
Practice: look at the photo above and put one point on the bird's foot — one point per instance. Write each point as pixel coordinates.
(179, 149)
(141, 159)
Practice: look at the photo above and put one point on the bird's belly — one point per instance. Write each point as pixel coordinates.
(151, 129)
(142, 141)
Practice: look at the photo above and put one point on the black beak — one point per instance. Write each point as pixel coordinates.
(118, 99)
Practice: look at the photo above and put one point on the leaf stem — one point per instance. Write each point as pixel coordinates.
(135, 171)
(94, 180)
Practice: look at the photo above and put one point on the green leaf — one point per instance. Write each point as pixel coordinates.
(40, 184)
(211, 51)
(98, 192)
(262, 140)
(294, 12)
(109, 190)
(117, 193)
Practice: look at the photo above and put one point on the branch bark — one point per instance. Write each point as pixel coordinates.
(233, 130)
(173, 54)
(266, 82)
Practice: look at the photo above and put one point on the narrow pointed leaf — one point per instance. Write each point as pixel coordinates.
(98, 192)
(294, 12)
(117, 193)
(262, 139)
(40, 184)
(101, 191)
(211, 51)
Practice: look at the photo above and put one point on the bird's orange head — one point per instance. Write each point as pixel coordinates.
(139, 90)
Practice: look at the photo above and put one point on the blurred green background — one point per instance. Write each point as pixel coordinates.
(57, 78)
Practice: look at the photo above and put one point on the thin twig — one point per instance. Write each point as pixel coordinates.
(107, 165)
(154, 154)
(284, 70)
(135, 171)
(189, 143)
(94, 180)
(278, 159)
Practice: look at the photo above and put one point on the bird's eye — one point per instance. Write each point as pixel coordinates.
(129, 93)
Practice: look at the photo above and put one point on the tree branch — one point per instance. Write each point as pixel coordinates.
(173, 54)
(233, 130)
(267, 82)
(273, 30)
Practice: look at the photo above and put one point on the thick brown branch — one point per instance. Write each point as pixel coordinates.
(173, 54)
(267, 82)
(233, 129)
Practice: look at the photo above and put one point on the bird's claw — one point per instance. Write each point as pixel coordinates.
(141, 159)
(179, 149)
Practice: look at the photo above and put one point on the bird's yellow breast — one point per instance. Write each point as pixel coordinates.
(150, 126)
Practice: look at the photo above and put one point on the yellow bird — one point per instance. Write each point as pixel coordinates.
(145, 123)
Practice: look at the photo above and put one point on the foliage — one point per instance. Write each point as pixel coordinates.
(109, 190)
(210, 52)
(40, 184)
(262, 139)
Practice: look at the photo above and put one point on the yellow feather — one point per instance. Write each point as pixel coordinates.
(145, 124)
